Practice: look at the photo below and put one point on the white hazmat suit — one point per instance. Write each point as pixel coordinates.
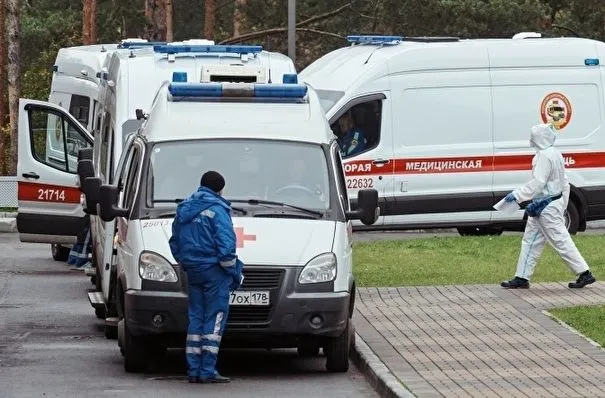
(549, 181)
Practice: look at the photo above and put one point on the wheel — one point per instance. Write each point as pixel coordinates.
(111, 332)
(135, 359)
(308, 349)
(479, 231)
(60, 253)
(98, 286)
(337, 351)
(572, 218)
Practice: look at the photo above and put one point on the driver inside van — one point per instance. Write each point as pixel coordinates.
(352, 139)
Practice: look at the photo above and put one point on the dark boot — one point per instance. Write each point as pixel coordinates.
(585, 278)
(516, 283)
(216, 379)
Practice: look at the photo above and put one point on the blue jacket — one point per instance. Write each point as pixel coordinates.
(202, 233)
(351, 143)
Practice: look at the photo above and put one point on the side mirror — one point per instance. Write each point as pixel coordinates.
(85, 153)
(85, 169)
(91, 187)
(367, 207)
(107, 206)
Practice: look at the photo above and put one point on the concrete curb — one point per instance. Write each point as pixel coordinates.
(376, 372)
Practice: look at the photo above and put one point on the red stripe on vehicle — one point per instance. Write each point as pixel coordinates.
(34, 192)
(468, 164)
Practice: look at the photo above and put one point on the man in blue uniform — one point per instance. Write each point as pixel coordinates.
(352, 140)
(203, 242)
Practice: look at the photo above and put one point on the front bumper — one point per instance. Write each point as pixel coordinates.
(286, 318)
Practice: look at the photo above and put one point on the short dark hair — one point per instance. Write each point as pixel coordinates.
(213, 180)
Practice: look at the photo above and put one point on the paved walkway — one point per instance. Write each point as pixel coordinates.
(482, 340)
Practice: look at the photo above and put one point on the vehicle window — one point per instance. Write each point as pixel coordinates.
(55, 140)
(358, 129)
(292, 173)
(79, 108)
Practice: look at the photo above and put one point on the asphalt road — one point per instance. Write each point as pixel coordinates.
(52, 345)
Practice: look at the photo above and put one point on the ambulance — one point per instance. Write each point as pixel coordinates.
(446, 123)
(291, 214)
(75, 86)
(129, 79)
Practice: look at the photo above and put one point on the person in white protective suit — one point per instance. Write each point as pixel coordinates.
(548, 191)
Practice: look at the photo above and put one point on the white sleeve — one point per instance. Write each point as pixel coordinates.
(540, 173)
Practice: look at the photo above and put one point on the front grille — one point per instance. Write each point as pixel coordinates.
(262, 278)
(249, 314)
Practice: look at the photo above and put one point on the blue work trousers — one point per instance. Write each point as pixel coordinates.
(208, 311)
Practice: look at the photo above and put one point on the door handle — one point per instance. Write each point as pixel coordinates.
(31, 175)
(381, 162)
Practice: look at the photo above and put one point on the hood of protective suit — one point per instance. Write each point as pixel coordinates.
(542, 136)
(199, 201)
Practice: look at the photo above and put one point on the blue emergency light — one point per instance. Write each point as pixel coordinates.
(179, 77)
(591, 62)
(201, 90)
(177, 49)
(290, 78)
(371, 39)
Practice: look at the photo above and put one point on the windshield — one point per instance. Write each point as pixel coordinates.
(285, 172)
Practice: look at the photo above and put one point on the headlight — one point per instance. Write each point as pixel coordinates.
(320, 269)
(154, 267)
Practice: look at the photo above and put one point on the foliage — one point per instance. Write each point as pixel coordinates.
(461, 260)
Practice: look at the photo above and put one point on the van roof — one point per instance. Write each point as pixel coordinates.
(141, 71)
(299, 119)
(83, 61)
(358, 64)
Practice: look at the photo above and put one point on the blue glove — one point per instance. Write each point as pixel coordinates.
(510, 198)
(535, 208)
(237, 275)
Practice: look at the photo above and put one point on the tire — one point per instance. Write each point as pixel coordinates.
(98, 286)
(337, 351)
(572, 218)
(111, 332)
(135, 358)
(308, 349)
(60, 253)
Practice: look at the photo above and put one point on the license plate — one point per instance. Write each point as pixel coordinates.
(249, 298)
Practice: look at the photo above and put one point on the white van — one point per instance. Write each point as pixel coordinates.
(285, 180)
(447, 123)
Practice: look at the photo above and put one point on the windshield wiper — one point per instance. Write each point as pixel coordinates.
(270, 202)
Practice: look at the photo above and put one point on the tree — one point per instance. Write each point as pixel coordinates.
(86, 12)
(155, 14)
(2, 85)
(238, 17)
(93, 21)
(169, 29)
(209, 19)
(13, 32)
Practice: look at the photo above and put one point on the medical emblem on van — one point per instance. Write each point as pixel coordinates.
(556, 109)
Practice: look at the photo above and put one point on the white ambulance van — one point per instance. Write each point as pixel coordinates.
(285, 180)
(446, 123)
(75, 86)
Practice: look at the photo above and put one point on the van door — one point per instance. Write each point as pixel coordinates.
(367, 149)
(50, 209)
(442, 134)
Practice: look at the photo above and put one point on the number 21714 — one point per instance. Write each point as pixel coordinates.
(51, 195)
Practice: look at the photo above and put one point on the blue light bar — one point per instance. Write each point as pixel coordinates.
(591, 62)
(357, 39)
(176, 49)
(179, 77)
(200, 90)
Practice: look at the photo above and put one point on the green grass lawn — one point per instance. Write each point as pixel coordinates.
(587, 320)
(462, 260)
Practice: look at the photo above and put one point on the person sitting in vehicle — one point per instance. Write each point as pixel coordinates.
(352, 139)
